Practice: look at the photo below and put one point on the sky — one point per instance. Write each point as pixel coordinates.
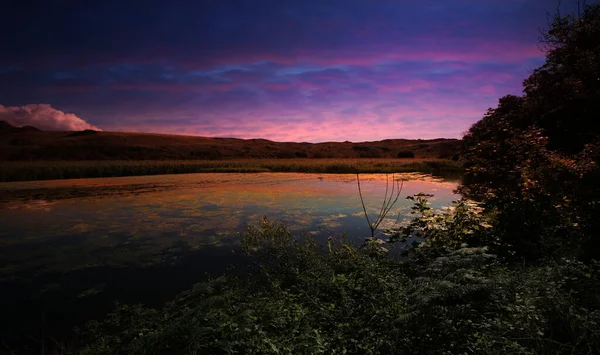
(284, 70)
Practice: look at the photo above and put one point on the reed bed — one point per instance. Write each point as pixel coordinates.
(51, 170)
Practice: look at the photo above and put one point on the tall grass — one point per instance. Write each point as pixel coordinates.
(50, 170)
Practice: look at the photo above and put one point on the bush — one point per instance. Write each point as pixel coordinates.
(300, 297)
(301, 154)
(405, 154)
(533, 159)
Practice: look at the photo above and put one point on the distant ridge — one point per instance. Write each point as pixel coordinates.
(6, 127)
(29, 143)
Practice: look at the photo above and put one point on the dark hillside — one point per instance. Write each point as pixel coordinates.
(28, 143)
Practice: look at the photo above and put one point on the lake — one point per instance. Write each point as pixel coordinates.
(69, 248)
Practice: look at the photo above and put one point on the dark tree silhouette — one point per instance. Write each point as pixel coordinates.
(534, 158)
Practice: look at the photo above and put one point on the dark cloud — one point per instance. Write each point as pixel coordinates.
(54, 33)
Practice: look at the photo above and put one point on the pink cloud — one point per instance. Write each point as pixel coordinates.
(424, 48)
(175, 87)
(168, 87)
(407, 86)
(369, 122)
(44, 117)
(421, 49)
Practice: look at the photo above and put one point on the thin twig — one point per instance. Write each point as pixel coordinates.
(387, 183)
(389, 204)
(388, 201)
(363, 204)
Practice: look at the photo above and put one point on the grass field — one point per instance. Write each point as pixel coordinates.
(50, 170)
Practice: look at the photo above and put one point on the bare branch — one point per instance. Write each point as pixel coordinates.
(389, 200)
(363, 205)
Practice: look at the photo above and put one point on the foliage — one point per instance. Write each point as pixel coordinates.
(459, 225)
(300, 298)
(534, 159)
(405, 154)
(563, 95)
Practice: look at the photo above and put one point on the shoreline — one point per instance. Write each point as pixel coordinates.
(15, 171)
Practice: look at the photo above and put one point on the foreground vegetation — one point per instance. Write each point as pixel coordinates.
(302, 298)
(48, 170)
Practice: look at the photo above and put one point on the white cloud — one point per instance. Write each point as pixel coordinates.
(44, 117)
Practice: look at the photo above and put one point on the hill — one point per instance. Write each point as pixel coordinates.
(6, 128)
(29, 143)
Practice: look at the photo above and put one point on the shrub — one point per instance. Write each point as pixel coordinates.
(298, 297)
(300, 154)
(531, 159)
(405, 154)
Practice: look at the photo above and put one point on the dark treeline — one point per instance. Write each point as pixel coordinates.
(509, 269)
(534, 158)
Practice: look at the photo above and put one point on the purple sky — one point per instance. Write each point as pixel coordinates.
(284, 70)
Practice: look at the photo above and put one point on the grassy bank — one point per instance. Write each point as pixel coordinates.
(49, 170)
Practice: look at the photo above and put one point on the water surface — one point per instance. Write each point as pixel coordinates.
(68, 248)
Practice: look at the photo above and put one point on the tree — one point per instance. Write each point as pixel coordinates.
(534, 159)
(563, 95)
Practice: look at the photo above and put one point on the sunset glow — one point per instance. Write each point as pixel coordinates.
(282, 70)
